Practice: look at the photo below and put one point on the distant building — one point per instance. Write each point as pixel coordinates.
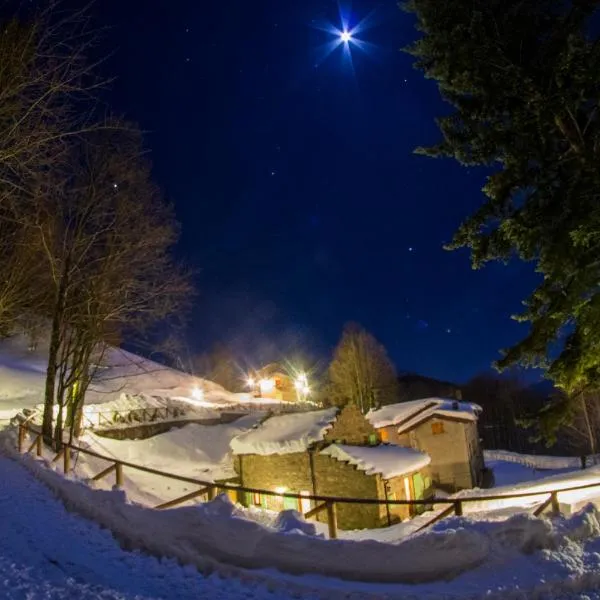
(445, 429)
(330, 452)
(274, 382)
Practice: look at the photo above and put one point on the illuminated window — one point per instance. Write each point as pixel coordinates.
(437, 428)
(256, 499)
(384, 435)
(278, 383)
(373, 439)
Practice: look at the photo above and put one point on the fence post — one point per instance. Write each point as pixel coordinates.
(38, 445)
(332, 519)
(66, 459)
(554, 502)
(212, 492)
(119, 474)
(458, 509)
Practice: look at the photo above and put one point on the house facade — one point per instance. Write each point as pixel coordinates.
(330, 453)
(273, 382)
(445, 429)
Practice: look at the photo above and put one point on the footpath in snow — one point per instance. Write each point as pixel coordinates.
(49, 553)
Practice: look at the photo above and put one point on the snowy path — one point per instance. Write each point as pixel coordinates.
(47, 552)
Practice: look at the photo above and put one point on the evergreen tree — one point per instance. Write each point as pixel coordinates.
(361, 372)
(522, 79)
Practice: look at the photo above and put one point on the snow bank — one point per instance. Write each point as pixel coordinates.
(539, 489)
(194, 450)
(539, 461)
(291, 521)
(216, 531)
(410, 413)
(285, 434)
(386, 459)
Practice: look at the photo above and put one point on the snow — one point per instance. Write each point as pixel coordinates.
(124, 382)
(49, 552)
(540, 488)
(197, 451)
(285, 434)
(408, 414)
(536, 461)
(386, 459)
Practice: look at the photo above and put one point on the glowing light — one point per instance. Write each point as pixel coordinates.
(280, 490)
(266, 385)
(345, 36)
(250, 382)
(301, 385)
(197, 393)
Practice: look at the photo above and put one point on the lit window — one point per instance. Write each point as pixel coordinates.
(384, 435)
(373, 439)
(437, 428)
(256, 499)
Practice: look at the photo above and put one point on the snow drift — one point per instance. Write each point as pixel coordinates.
(220, 531)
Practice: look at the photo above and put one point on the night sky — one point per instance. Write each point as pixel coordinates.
(292, 172)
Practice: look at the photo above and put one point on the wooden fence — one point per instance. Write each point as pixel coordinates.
(323, 504)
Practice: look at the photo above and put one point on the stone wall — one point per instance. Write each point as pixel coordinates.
(290, 471)
(351, 427)
(332, 478)
(335, 478)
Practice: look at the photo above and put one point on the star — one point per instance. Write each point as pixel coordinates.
(345, 36)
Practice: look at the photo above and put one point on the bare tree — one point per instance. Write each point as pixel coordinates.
(45, 91)
(220, 366)
(582, 431)
(107, 241)
(361, 371)
(45, 80)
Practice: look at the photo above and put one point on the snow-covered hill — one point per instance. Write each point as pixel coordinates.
(121, 377)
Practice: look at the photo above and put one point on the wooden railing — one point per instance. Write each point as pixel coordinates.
(326, 504)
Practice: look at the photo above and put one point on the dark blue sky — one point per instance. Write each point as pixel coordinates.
(301, 201)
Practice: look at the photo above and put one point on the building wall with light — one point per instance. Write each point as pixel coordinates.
(274, 383)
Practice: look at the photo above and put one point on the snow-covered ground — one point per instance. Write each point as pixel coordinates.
(49, 552)
(198, 451)
(124, 382)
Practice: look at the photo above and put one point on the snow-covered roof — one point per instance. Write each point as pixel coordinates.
(409, 414)
(386, 459)
(284, 434)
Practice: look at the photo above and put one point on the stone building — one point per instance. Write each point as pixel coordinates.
(330, 452)
(445, 429)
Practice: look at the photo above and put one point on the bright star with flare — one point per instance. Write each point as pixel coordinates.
(346, 37)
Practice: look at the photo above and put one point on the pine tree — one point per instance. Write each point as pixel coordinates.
(361, 372)
(522, 79)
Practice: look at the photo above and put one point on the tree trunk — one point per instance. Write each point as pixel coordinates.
(55, 342)
(51, 380)
(58, 429)
(588, 426)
